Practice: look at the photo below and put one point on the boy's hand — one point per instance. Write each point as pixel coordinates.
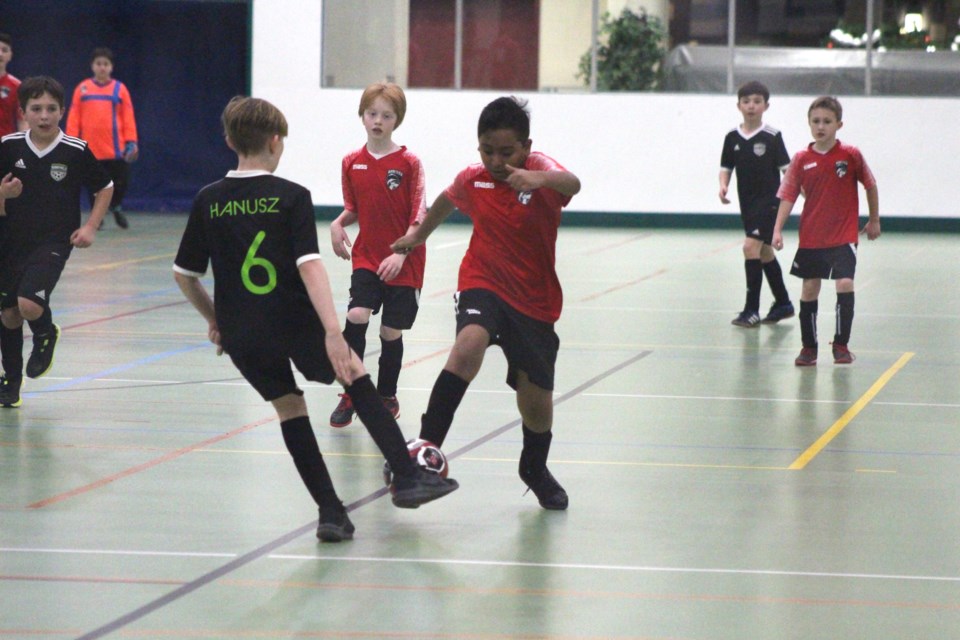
(131, 152)
(213, 332)
(405, 244)
(340, 240)
(523, 180)
(872, 229)
(339, 355)
(777, 241)
(10, 187)
(390, 267)
(83, 237)
(723, 196)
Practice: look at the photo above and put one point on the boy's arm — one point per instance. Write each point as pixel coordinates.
(417, 234)
(724, 185)
(315, 278)
(83, 237)
(338, 235)
(563, 182)
(783, 212)
(195, 292)
(872, 228)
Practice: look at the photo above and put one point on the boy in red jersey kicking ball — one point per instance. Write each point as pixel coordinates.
(383, 190)
(508, 291)
(827, 173)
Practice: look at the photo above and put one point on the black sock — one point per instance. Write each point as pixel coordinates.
(391, 360)
(302, 444)
(536, 448)
(448, 392)
(844, 318)
(808, 323)
(356, 337)
(380, 425)
(11, 351)
(42, 325)
(775, 279)
(754, 272)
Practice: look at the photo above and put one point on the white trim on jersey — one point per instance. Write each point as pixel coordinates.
(187, 272)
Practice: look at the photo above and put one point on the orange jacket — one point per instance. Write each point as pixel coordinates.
(103, 116)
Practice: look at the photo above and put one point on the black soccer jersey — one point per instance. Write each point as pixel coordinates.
(758, 160)
(254, 228)
(48, 208)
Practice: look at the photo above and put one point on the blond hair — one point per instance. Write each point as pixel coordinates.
(250, 123)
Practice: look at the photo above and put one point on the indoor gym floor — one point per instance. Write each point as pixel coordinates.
(716, 490)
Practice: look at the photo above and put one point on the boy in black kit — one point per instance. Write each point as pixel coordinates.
(274, 305)
(43, 171)
(758, 154)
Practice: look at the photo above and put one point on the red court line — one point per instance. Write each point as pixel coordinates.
(429, 356)
(146, 465)
(649, 276)
(123, 315)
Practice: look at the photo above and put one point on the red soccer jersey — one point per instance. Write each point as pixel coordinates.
(512, 249)
(103, 116)
(9, 107)
(388, 195)
(831, 208)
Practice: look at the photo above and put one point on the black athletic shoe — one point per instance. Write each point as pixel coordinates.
(548, 491)
(392, 405)
(41, 358)
(779, 312)
(423, 487)
(10, 392)
(336, 528)
(342, 416)
(120, 218)
(747, 319)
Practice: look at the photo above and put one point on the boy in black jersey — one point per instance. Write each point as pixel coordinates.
(758, 154)
(43, 171)
(273, 305)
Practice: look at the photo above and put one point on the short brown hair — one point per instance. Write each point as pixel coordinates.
(753, 88)
(829, 103)
(249, 123)
(390, 92)
(34, 87)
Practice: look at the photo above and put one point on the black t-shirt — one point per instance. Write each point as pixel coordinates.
(758, 160)
(254, 228)
(47, 211)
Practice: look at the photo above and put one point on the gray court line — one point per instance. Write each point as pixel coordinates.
(266, 549)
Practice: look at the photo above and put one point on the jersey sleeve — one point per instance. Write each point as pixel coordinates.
(73, 116)
(790, 187)
(193, 256)
(864, 174)
(783, 157)
(728, 159)
(542, 162)
(95, 177)
(418, 190)
(458, 193)
(303, 227)
(127, 119)
(349, 201)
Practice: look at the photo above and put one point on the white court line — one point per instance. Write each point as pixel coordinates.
(502, 564)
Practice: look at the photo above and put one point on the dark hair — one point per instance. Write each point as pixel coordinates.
(753, 88)
(101, 52)
(505, 113)
(249, 123)
(823, 102)
(5, 37)
(36, 86)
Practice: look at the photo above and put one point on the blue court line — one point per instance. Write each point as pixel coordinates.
(118, 369)
(271, 546)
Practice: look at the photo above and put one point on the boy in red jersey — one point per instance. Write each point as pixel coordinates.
(101, 112)
(509, 293)
(383, 190)
(827, 172)
(267, 267)
(9, 107)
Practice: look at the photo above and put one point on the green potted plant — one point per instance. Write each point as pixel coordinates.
(629, 54)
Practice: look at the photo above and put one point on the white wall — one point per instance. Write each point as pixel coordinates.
(635, 153)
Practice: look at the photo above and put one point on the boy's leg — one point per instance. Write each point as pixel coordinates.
(391, 361)
(536, 409)
(11, 351)
(355, 333)
(461, 368)
(334, 525)
(845, 304)
(809, 306)
(119, 171)
(753, 270)
(781, 308)
(46, 334)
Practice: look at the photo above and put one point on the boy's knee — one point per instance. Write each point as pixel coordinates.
(29, 310)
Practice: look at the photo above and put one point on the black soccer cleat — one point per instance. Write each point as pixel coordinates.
(41, 358)
(335, 528)
(10, 392)
(548, 491)
(779, 312)
(421, 488)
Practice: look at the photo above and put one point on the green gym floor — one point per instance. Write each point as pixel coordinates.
(716, 490)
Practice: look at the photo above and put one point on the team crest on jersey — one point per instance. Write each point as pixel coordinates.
(759, 149)
(840, 166)
(394, 178)
(524, 197)
(4, 92)
(58, 171)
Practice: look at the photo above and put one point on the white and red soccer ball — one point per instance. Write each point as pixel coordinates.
(426, 455)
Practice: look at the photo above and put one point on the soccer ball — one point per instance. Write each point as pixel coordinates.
(424, 453)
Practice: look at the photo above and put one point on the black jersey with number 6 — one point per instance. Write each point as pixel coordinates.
(254, 228)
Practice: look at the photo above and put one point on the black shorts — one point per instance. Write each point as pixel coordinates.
(34, 277)
(831, 263)
(530, 345)
(758, 221)
(267, 365)
(400, 304)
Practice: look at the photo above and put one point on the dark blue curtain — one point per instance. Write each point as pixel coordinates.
(181, 60)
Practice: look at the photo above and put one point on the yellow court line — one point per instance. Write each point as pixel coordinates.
(849, 414)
